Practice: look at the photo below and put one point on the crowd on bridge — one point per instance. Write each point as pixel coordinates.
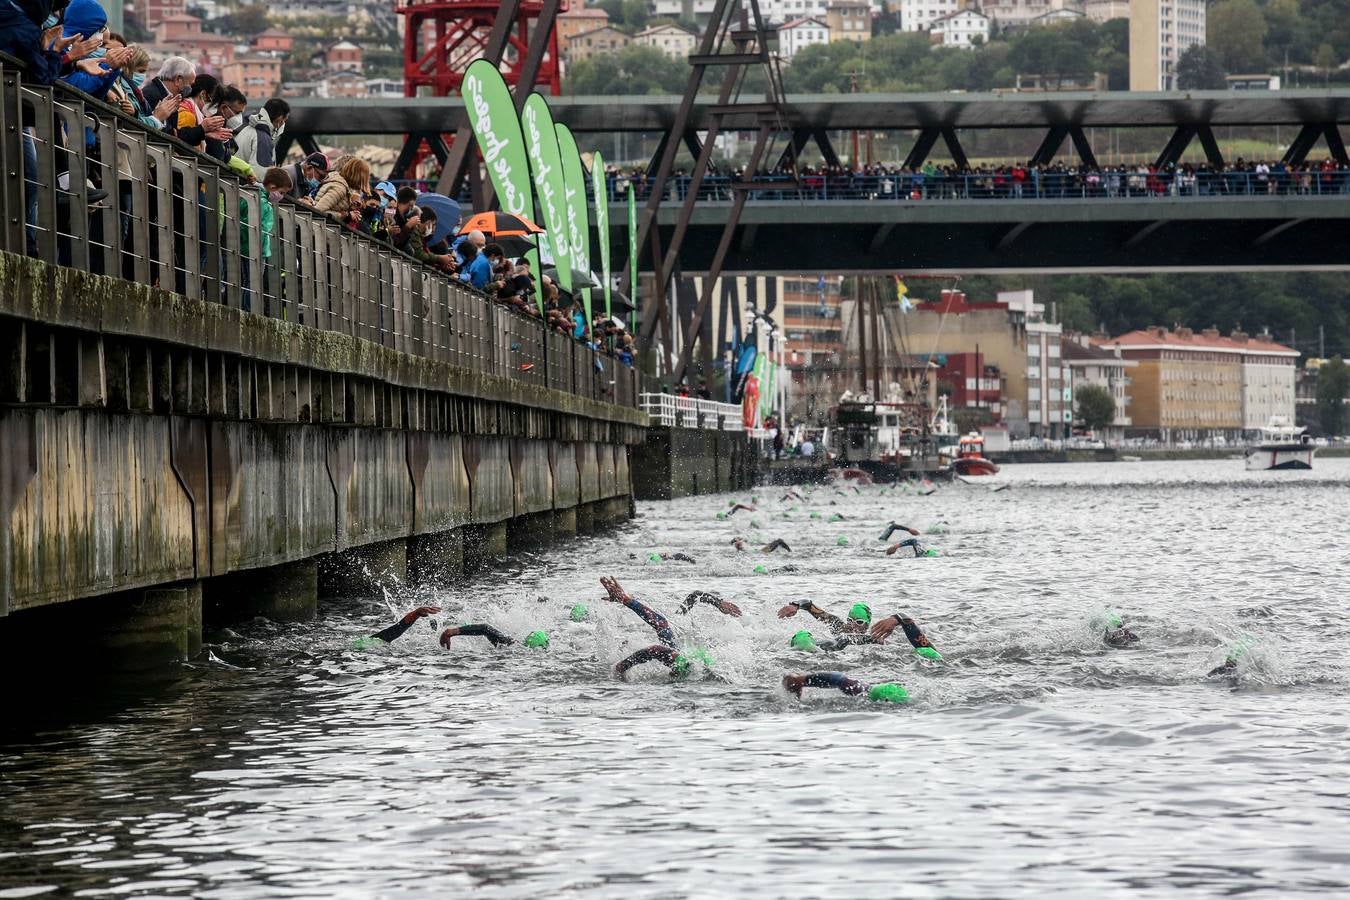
(1011, 180)
(69, 41)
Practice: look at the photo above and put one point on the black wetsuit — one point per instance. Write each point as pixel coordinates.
(1120, 637)
(678, 557)
(698, 597)
(393, 632)
(891, 529)
(776, 544)
(850, 686)
(493, 635)
(655, 653)
(653, 618)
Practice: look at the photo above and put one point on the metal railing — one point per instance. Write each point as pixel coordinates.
(175, 218)
(691, 412)
(1054, 185)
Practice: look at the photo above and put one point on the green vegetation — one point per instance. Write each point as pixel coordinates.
(1291, 305)
(1096, 406)
(1258, 35)
(1333, 384)
(633, 70)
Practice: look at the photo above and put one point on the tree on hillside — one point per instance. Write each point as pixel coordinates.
(630, 15)
(633, 70)
(1236, 29)
(1056, 51)
(1096, 406)
(1333, 383)
(1199, 69)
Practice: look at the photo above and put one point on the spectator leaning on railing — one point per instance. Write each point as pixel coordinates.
(334, 197)
(255, 141)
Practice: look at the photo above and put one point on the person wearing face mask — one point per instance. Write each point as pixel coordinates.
(256, 141)
(306, 176)
(128, 94)
(175, 75)
(197, 115)
(417, 243)
(230, 104)
(26, 31)
(273, 188)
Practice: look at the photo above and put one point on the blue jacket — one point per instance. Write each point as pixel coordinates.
(478, 272)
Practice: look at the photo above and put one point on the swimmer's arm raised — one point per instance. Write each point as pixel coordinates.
(396, 631)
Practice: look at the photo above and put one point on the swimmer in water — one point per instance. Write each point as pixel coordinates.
(772, 546)
(740, 506)
(397, 630)
(1114, 632)
(886, 692)
(678, 663)
(535, 639)
(854, 629)
(910, 548)
(792, 495)
(1236, 651)
(711, 599)
(664, 633)
(893, 527)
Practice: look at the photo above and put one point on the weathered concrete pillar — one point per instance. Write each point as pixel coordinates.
(530, 531)
(482, 544)
(285, 593)
(565, 522)
(128, 631)
(585, 517)
(436, 559)
(364, 571)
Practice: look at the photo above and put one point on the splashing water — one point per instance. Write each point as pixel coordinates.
(1031, 759)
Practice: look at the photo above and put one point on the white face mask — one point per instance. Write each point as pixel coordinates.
(209, 109)
(235, 121)
(280, 129)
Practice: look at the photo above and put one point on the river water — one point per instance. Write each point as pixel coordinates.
(1032, 762)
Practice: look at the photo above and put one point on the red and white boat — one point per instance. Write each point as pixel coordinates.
(970, 461)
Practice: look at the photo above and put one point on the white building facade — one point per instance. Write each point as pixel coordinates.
(1049, 409)
(1086, 365)
(1268, 378)
(1160, 31)
(671, 40)
(964, 30)
(798, 34)
(919, 15)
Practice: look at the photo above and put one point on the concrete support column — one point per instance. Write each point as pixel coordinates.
(364, 571)
(565, 522)
(533, 530)
(436, 559)
(482, 544)
(585, 517)
(128, 631)
(285, 593)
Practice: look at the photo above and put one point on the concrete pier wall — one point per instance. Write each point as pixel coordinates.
(149, 440)
(684, 462)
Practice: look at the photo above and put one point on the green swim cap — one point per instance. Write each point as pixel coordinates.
(760, 570)
(680, 667)
(579, 612)
(754, 523)
(861, 612)
(930, 552)
(842, 541)
(365, 643)
(836, 518)
(653, 557)
(888, 693)
(927, 653)
(815, 515)
(721, 515)
(787, 515)
(803, 640)
(537, 639)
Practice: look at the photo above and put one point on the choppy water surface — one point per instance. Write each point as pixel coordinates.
(1032, 762)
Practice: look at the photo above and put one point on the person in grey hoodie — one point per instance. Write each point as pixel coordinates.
(257, 139)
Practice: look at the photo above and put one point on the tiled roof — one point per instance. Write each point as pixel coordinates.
(1163, 338)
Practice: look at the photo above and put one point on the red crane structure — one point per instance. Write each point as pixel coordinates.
(441, 38)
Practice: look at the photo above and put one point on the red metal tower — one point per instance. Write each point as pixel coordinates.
(443, 36)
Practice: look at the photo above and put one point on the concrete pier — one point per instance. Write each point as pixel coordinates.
(685, 462)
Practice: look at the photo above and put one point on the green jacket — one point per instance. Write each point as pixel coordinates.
(268, 217)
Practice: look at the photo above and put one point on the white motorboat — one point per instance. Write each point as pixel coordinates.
(1283, 445)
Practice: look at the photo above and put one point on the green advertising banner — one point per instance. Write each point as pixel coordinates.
(541, 146)
(632, 257)
(578, 216)
(600, 185)
(761, 373)
(492, 115)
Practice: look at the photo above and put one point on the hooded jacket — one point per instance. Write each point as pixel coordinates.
(254, 142)
(87, 17)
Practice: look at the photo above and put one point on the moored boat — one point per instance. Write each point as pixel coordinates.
(1283, 445)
